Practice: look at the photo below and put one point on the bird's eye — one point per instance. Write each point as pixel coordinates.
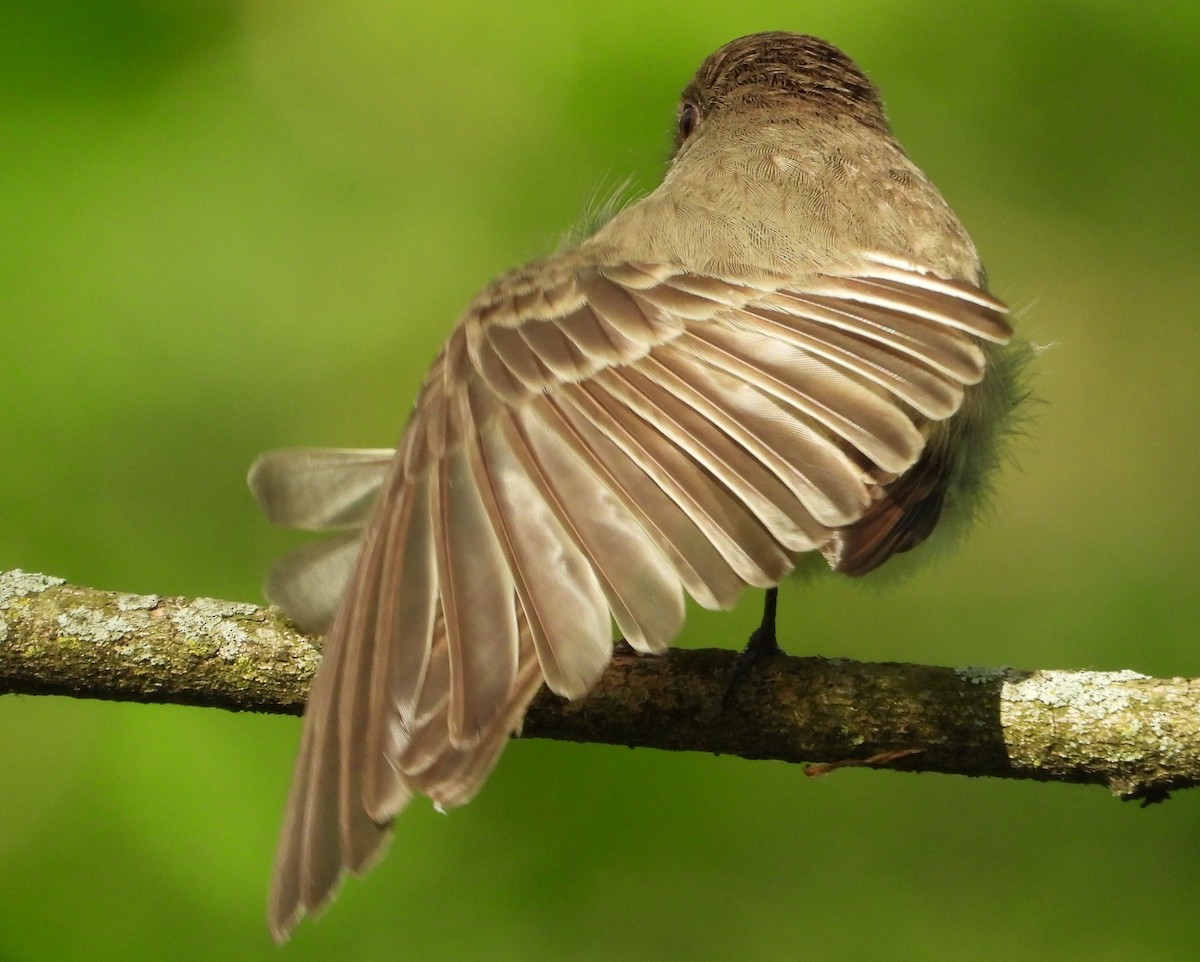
(689, 116)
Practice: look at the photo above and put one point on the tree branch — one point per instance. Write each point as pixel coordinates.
(1139, 736)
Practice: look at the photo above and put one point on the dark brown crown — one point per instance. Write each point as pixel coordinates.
(769, 68)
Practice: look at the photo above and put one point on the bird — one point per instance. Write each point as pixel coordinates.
(784, 352)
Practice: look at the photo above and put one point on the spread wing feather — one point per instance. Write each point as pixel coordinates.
(592, 443)
(320, 489)
(640, 587)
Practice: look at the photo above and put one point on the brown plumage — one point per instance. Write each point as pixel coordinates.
(785, 348)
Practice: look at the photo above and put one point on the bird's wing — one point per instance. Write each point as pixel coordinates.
(590, 444)
(318, 489)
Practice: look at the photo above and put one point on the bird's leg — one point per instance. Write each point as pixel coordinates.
(762, 642)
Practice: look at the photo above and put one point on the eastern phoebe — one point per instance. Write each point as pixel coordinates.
(785, 348)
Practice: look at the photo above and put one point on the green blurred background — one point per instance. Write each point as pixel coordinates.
(228, 226)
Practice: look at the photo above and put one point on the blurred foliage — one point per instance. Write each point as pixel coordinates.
(234, 225)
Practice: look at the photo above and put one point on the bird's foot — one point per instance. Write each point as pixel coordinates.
(761, 644)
